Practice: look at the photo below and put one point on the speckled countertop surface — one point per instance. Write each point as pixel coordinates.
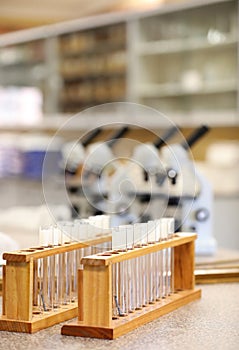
(209, 323)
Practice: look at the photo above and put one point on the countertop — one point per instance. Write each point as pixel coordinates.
(209, 323)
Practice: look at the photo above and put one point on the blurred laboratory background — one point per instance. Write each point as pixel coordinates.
(59, 58)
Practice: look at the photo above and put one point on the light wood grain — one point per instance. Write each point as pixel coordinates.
(80, 295)
(38, 322)
(110, 258)
(184, 266)
(212, 275)
(26, 255)
(97, 290)
(97, 295)
(134, 320)
(3, 289)
(18, 290)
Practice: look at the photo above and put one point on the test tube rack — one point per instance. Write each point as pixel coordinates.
(95, 294)
(19, 287)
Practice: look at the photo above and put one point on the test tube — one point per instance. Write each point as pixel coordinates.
(158, 264)
(164, 236)
(46, 290)
(131, 282)
(138, 267)
(59, 269)
(64, 268)
(107, 231)
(171, 231)
(151, 262)
(82, 233)
(144, 276)
(119, 242)
(67, 228)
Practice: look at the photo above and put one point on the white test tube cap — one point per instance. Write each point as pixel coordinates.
(157, 230)
(167, 227)
(57, 235)
(66, 230)
(164, 228)
(82, 229)
(129, 235)
(94, 226)
(144, 232)
(151, 231)
(45, 235)
(106, 222)
(137, 233)
(119, 238)
(171, 227)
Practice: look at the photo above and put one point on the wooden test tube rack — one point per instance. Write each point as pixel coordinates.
(17, 304)
(95, 290)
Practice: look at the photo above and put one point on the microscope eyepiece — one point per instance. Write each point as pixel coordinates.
(165, 137)
(195, 136)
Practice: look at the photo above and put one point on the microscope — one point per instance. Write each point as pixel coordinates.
(162, 181)
(191, 196)
(91, 190)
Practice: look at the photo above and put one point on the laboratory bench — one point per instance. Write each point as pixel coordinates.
(209, 323)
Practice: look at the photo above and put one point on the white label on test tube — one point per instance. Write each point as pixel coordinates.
(171, 227)
(151, 231)
(56, 235)
(164, 228)
(85, 230)
(137, 234)
(45, 234)
(106, 224)
(119, 238)
(144, 233)
(157, 230)
(96, 225)
(129, 235)
(106, 221)
(65, 227)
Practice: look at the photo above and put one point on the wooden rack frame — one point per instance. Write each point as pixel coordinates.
(95, 292)
(17, 305)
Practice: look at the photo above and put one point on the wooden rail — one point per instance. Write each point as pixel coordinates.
(95, 318)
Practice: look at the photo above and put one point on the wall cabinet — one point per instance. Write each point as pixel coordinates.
(181, 59)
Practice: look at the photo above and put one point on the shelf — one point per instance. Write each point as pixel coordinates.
(140, 55)
(87, 76)
(101, 48)
(88, 120)
(177, 46)
(176, 89)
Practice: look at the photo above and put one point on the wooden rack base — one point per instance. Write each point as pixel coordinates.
(128, 323)
(39, 321)
(20, 282)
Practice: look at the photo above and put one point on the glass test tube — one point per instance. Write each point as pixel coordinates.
(46, 287)
(164, 237)
(144, 276)
(67, 229)
(131, 282)
(151, 262)
(138, 268)
(59, 269)
(119, 242)
(83, 234)
(63, 261)
(115, 293)
(157, 262)
(171, 231)
(35, 284)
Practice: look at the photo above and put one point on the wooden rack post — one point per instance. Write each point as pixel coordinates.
(95, 295)
(19, 281)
